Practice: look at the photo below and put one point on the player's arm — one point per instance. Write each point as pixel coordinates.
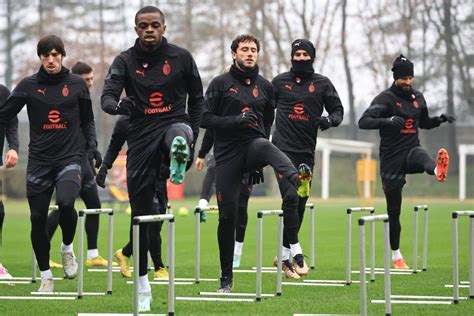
(374, 116)
(427, 122)
(113, 87)
(269, 111)
(88, 127)
(10, 105)
(210, 117)
(333, 105)
(195, 96)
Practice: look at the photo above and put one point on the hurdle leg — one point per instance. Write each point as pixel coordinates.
(388, 294)
(197, 265)
(258, 297)
(363, 289)
(110, 242)
(136, 262)
(455, 260)
(171, 267)
(280, 254)
(415, 239)
(471, 257)
(425, 239)
(348, 248)
(311, 239)
(372, 251)
(80, 277)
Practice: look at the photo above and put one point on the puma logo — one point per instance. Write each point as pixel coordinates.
(288, 86)
(234, 90)
(140, 72)
(42, 91)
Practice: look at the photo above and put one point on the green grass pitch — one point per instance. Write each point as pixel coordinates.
(330, 231)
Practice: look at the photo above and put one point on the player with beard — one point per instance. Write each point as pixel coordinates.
(239, 107)
(11, 158)
(161, 81)
(59, 107)
(301, 96)
(398, 113)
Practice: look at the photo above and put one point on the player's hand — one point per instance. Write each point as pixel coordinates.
(125, 105)
(100, 177)
(11, 158)
(395, 122)
(199, 165)
(256, 177)
(446, 118)
(323, 122)
(245, 119)
(94, 154)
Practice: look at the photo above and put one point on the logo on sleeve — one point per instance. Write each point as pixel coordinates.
(233, 89)
(166, 68)
(255, 91)
(311, 87)
(298, 113)
(157, 102)
(65, 91)
(54, 118)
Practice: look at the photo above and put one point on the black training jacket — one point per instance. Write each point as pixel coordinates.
(299, 103)
(225, 99)
(57, 111)
(412, 109)
(11, 130)
(160, 86)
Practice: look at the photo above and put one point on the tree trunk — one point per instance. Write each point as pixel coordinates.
(448, 38)
(350, 85)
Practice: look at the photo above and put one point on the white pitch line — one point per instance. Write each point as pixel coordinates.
(413, 302)
(165, 283)
(116, 314)
(69, 293)
(330, 281)
(186, 279)
(14, 282)
(311, 284)
(29, 278)
(214, 299)
(53, 298)
(391, 272)
(234, 294)
(427, 297)
(462, 286)
(253, 271)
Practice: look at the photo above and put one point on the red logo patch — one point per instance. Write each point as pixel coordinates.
(311, 87)
(245, 109)
(166, 68)
(53, 116)
(140, 72)
(156, 99)
(409, 123)
(416, 104)
(65, 91)
(299, 108)
(255, 91)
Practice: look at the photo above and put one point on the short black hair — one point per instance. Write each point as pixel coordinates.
(48, 43)
(81, 68)
(244, 38)
(149, 9)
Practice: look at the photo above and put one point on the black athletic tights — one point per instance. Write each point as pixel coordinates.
(91, 199)
(2, 217)
(66, 193)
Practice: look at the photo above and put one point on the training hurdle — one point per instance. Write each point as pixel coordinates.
(363, 287)
(197, 222)
(137, 220)
(416, 210)
(455, 216)
(258, 290)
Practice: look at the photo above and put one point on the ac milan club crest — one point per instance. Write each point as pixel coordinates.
(65, 91)
(416, 104)
(311, 87)
(166, 68)
(255, 91)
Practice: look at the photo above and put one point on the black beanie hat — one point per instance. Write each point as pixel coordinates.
(402, 67)
(305, 45)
